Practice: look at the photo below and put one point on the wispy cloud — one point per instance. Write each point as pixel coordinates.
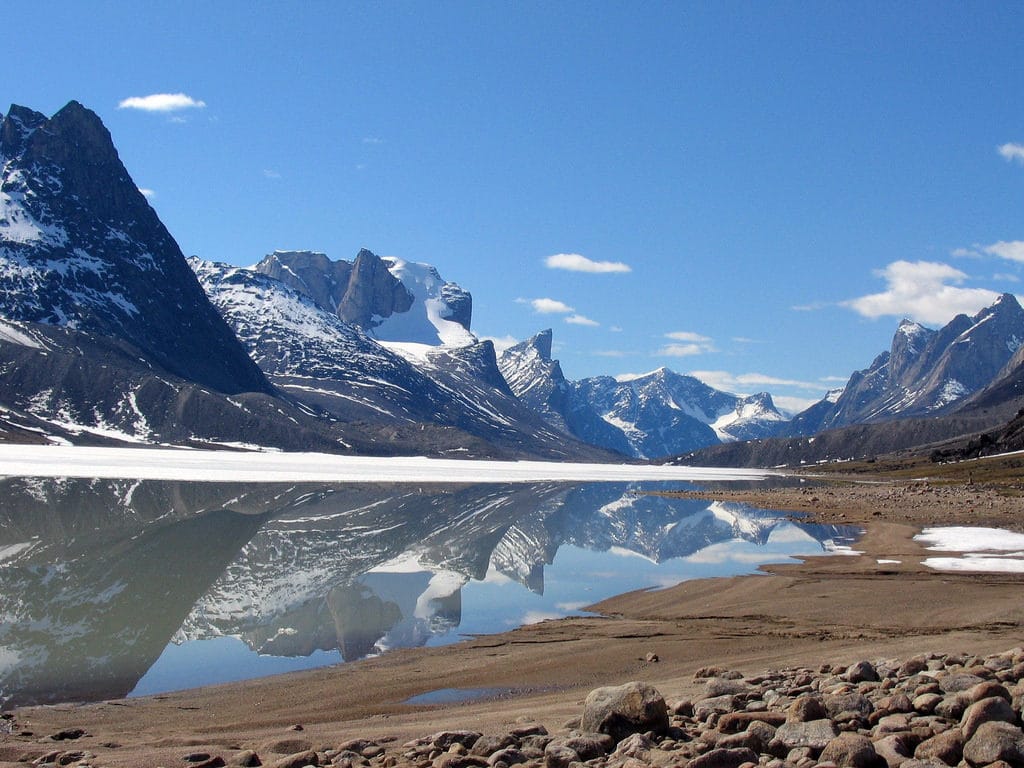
(501, 343)
(926, 291)
(686, 344)
(582, 320)
(1011, 250)
(814, 306)
(161, 102)
(270, 173)
(548, 306)
(747, 382)
(697, 338)
(146, 192)
(1012, 152)
(372, 140)
(610, 353)
(574, 262)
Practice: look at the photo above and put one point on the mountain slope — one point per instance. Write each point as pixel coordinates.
(80, 247)
(454, 396)
(926, 371)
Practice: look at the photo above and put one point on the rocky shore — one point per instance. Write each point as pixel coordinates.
(866, 661)
(928, 711)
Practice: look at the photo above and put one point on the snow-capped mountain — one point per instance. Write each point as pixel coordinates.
(661, 413)
(454, 396)
(388, 298)
(926, 371)
(108, 334)
(81, 248)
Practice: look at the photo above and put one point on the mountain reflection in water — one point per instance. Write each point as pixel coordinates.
(98, 577)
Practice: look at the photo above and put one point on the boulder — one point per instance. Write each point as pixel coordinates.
(986, 711)
(851, 750)
(815, 734)
(622, 710)
(995, 741)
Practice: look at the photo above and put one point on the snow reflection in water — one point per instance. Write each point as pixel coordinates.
(110, 588)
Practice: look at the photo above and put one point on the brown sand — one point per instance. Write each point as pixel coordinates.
(828, 609)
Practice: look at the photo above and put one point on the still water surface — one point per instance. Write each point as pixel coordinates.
(111, 588)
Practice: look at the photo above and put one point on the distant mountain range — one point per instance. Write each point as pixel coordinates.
(108, 334)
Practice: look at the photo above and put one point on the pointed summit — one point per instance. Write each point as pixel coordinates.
(81, 247)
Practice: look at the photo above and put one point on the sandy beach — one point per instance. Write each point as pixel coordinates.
(879, 603)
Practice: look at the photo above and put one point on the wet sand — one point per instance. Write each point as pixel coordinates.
(825, 610)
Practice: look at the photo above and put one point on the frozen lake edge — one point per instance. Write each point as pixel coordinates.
(270, 467)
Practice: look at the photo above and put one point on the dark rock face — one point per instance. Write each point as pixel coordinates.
(356, 291)
(372, 290)
(81, 247)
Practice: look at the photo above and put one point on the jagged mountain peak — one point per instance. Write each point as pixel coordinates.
(81, 247)
(391, 299)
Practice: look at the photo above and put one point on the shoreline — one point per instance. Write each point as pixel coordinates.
(834, 609)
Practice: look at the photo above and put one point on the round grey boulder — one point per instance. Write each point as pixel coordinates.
(622, 710)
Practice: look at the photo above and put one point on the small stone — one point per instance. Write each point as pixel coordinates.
(814, 734)
(246, 759)
(947, 746)
(851, 750)
(443, 740)
(724, 758)
(926, 702)
(652, 658)
(68, 734)
(805, 709)
(860, 672)
(297, 760)
(508, 756)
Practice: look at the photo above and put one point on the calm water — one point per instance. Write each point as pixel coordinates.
(111, 588)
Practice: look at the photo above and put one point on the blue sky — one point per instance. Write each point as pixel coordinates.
(747, 173)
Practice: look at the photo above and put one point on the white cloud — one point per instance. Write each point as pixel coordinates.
(925, 291)
(581, 320)
(161, 102)
(501, 343)
(793, 405)
(610, 353)
(1013, 250)
(687, 336)
(680, 350)
(747, 382)
(270, 173)
(548, 306)
(574, 262)
(689, 344)
(372, 140)
(149, 193)
(814, 306)
(1012, 152)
